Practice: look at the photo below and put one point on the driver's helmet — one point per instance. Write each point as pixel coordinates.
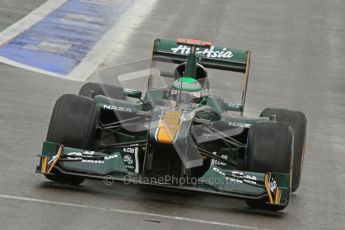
(186, 90)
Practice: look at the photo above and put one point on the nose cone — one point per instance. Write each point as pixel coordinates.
(170, 131)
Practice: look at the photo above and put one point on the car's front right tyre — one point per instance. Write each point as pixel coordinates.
(73, 124)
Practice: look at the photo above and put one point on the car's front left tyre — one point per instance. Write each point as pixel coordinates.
(298, 122)
(269, 149)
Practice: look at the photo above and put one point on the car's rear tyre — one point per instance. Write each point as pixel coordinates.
(269, 149)
(298, 122)
(73, 124)
(107, 90)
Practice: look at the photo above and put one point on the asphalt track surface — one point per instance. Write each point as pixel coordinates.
(298, 62)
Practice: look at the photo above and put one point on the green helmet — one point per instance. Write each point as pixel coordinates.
(186, 90)
(186, 84)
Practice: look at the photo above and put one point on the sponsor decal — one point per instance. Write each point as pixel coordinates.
(78, 156)
(234, 180)
(197, 94)
(239, 124)
(129, 150)
(110, 157)
(237, 173)
(209, 53)
(92, 161)
(218, 171)
(53, 158)
(89, 153)
(273, 184)
(117, 108)
(217, 162)
(100, 161)
(244, 178)
(249, 177)
(249, 181)
(128, 159)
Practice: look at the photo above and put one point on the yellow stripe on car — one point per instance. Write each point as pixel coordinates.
(168, 127)
(44, 164)
(268, 189)
(278, 195)
(56, 158)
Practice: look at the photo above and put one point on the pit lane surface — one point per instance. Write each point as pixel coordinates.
(297, 62)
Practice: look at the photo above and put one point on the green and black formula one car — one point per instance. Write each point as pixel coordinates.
(178, 134)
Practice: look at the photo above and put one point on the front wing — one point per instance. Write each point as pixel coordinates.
(273, 187)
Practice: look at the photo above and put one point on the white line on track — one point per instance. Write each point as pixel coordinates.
(32, 18)
(108, 45)
(25, 23)
(179, 218)
(34, 69)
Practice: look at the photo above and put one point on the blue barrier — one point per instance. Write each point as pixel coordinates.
(60, 41)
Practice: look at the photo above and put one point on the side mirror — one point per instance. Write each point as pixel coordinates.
(233, 107)
(132, 93)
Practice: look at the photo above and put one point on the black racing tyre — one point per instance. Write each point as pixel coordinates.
(73, 124)
(111, 91)
(269, 149)
(298, 122)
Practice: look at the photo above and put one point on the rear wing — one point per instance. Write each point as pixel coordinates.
(215, 57)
